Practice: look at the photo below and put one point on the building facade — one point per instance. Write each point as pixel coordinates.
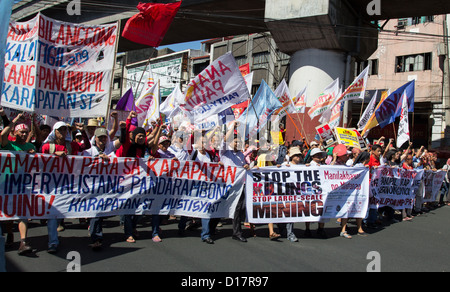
(260, 52)
(413, 49)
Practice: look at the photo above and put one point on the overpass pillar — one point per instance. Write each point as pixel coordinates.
(323, 38)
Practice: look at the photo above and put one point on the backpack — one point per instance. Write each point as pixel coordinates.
(52, 148)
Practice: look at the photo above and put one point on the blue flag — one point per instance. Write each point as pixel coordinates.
(259, 110)
(391, 107)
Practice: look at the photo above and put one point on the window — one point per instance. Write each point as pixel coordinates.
(402, 22)
(419, 62)
(241, 60)
(260, 60)
(373, 67)
(360, 66)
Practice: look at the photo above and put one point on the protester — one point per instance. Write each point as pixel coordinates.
(295, 158)
(103, 148)
(408, 165)
(235, 157)
(201, 155)
(21, 132)
(318, 157)
(374, 162)
(59, 143)
(446, 185)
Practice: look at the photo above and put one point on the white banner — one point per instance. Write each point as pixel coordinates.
(394, 187)
(432, 184)
(306, 194)
(44, 186)
(59, 69)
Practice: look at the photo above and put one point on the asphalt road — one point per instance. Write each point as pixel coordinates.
(420, 245)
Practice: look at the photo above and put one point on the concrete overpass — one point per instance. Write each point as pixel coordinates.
(204, 19)
(323, 37)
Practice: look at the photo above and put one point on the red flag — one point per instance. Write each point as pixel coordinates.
(149, 26)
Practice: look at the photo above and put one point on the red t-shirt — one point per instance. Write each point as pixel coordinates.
(123, 150)
(406, 166)
(76, 148)
(373, 162)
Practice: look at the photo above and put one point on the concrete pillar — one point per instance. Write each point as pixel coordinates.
(316, 69)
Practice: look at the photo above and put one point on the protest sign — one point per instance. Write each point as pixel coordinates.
(44, 186)
(59, 69)
(432, 184)
(326, 134)
(394, 187)
(306, 194)
(215, 89)
(362, 143)
(347, 137)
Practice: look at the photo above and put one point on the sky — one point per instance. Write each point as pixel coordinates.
(197, 45)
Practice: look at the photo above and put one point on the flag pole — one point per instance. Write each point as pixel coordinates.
(292, 120)
(395, 133)
(108, 109)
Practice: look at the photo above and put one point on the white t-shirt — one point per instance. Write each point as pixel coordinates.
(201, 158)
(110, 150)
(313, 163)
(179, 153)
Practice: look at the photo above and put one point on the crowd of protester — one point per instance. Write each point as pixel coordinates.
(160, 141)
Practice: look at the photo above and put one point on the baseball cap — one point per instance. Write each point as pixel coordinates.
(99, 132)
(163, 139)
(59, 125)
(316, 151)
(340, 149)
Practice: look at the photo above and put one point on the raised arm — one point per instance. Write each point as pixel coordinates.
(7, 130)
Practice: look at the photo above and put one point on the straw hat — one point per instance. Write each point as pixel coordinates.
(294, 151)
(92, 123)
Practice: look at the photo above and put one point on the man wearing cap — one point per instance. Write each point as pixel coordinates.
(57, 144)
(295, 157)
(103, 148)
(91, 127)
(233, 156)
(21, 132)
(340, 155)
(318, 157)
(60, 144)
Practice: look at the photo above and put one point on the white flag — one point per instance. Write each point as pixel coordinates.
(170, 106)
(403, 126)
(368, 112)
(215, 89)
(300, 101)
(332, 116)
(249, 81)
(357, 89)
(325, 100)
(284, 96)
(147, 106)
